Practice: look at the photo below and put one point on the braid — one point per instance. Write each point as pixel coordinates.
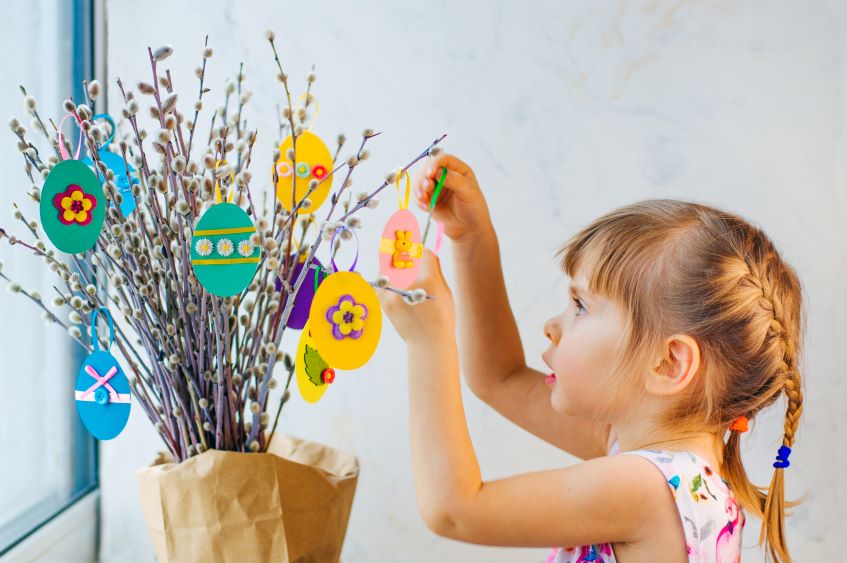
(788, 380)
(787, 371)
(795, 406)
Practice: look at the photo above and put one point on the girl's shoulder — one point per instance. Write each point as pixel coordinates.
(647, 507)
(684, 468)
(709, 513)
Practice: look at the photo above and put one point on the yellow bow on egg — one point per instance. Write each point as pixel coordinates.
(401, 248)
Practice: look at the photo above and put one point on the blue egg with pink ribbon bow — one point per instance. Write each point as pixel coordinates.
(102, 390)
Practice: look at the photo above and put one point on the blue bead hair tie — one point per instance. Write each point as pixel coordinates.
(782, 457)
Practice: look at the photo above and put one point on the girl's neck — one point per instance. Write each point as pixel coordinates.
(636, 436)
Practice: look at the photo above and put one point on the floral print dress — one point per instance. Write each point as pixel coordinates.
(711, 518)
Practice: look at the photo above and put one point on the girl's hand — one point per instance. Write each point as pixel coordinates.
(423, 321)
(460, 205)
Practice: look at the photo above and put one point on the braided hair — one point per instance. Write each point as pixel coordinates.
(683, 267)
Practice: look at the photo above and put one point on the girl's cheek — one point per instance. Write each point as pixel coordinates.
(563, 360)
(572, 371)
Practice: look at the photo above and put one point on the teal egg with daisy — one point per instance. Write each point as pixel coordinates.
(222, 256)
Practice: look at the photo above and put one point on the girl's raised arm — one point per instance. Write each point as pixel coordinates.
(492, 357)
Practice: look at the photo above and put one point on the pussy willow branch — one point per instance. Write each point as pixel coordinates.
(209, 359)
(263, 395)
(199, 98)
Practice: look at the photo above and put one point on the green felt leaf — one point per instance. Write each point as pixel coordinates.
(314, 364)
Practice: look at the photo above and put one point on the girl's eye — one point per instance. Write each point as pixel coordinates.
(578, 305)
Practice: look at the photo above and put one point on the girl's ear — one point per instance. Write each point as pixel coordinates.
(676, 366)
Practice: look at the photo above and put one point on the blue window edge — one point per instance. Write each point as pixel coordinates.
(85, 471)
(85, 459)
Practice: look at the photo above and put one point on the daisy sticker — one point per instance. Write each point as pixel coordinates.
(245, 248)
(225, 247)
(203, 247)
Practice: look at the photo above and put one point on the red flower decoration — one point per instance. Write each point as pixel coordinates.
(74, 206)
(328, 375)
(319, 171)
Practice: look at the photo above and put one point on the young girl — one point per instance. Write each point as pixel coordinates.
(684, 323)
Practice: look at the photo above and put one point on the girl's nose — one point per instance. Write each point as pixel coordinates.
(552, 330)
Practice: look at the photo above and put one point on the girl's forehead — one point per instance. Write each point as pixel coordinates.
(579, 285)
(579, 282)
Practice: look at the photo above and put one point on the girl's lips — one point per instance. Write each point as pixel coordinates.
(550, 379)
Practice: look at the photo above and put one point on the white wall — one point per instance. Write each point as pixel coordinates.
(565, 110)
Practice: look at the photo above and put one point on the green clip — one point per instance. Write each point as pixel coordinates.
(318, 269)
(438, 185)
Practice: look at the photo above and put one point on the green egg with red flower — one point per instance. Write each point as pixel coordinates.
(73, 207)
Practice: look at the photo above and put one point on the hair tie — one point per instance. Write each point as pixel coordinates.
(782, 457)
(739, 424)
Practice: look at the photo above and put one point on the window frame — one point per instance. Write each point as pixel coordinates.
(87, 56)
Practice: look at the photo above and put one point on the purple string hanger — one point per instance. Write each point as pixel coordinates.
(332, 244)
(318, 268)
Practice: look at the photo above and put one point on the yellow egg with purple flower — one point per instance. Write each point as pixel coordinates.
(345, 320)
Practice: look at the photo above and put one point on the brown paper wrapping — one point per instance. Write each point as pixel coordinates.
(289, 505)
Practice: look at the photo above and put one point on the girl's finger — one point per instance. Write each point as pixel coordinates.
(456, 184)
(431, 169)
(432, 269)
(433, 166)
(424, 193)
(453, 182)
(387, 299)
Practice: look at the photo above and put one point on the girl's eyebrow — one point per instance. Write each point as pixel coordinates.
(581, 292)
(578, 290)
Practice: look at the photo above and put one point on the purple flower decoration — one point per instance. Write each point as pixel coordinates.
(347, 318)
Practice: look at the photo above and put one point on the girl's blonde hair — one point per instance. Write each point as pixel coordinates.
(683, 267)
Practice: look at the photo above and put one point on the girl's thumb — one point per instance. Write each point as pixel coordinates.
(430, 260)
(432, 264)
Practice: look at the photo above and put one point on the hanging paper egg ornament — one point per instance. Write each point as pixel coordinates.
(314, 374)
(118, 166)
(345, 317)
(102, 391)
(312, 161)
(303, 298)
(72, 207)
(400, 246)
(223, 258)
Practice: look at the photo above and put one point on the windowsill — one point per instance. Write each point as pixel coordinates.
(69, 536)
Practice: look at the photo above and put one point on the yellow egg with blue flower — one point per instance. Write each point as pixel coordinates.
(313, 161)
